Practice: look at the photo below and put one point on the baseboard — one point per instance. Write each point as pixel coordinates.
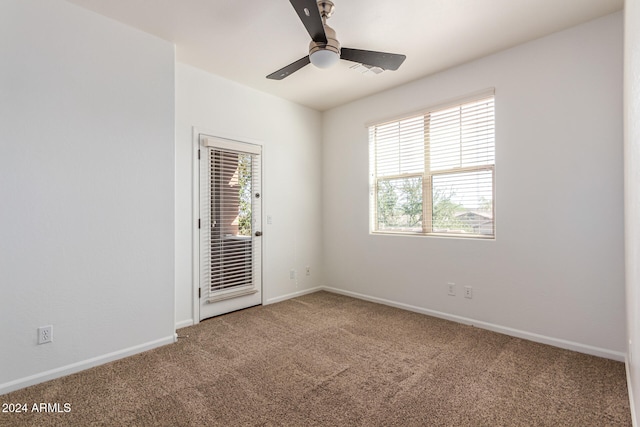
(568, 345)
(634, 419)
(293, 295)
(82, 365)
(184, 323)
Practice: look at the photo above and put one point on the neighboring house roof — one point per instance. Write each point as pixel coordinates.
(475, 215)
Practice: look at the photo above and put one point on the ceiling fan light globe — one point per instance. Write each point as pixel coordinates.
(324, 58)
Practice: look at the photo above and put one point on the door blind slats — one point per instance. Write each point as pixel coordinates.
(230, 256)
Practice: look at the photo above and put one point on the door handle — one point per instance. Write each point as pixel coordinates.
(258, 233)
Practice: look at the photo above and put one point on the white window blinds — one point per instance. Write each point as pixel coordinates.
(230, 210)
(433, 172)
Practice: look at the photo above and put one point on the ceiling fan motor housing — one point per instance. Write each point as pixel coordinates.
(332, 44)
(326, 8)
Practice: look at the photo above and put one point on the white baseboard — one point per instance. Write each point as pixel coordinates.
(556, 342)
(184, 323)
(293, 295)
(82, 365)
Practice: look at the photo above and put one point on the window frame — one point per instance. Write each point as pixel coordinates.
(427, 174)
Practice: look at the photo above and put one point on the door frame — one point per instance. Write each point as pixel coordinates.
(195, 208)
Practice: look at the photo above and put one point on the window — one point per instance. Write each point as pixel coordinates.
(434, 173)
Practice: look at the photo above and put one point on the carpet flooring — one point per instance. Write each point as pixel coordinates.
(329, 360)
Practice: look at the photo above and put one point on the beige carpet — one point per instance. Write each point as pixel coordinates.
(325, 359)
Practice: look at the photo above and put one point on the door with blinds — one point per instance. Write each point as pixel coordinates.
(230, 225)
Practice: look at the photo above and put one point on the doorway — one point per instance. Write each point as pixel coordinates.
(229, 225)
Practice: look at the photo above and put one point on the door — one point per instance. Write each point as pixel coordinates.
(230, 226)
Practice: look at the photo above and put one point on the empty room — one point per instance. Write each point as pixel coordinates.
(301, 212)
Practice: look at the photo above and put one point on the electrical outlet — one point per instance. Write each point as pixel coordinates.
(308, 270)
(292, 274)
(45, 334)
(468, 292)
(452, 289)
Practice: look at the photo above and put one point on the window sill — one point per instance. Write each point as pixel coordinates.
(437, 235)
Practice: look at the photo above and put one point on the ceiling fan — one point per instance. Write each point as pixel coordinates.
(324, 49)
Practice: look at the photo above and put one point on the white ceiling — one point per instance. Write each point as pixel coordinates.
(245, 40)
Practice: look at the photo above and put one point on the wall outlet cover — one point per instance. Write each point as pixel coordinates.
(45, 334)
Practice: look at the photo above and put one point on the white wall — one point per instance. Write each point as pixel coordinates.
(292, 163)
(555, 272)
(632, 194)
(86, 190)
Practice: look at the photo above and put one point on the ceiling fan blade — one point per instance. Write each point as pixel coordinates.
(309, 14)
(289, 69)
(386, 61)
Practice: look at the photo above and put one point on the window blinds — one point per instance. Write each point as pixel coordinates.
(230, 212)
(231, 219)
(433, 173)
